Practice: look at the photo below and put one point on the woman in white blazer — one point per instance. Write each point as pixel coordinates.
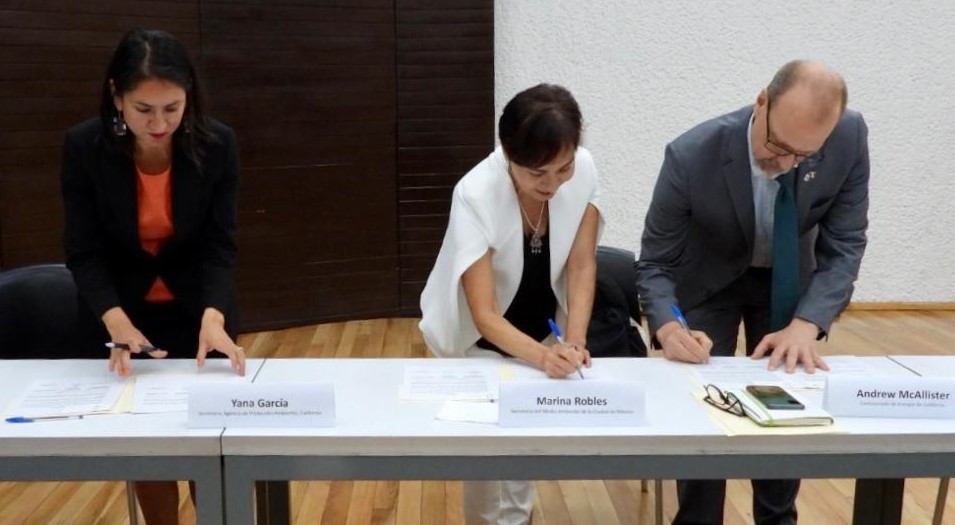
(519, 250)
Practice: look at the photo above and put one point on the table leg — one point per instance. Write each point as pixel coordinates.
(878, 502)
(209, 493)
(239, 491)
(273, 503)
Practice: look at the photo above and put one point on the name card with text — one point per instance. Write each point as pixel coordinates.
(890, 396)
(280, 405)
(554, 403)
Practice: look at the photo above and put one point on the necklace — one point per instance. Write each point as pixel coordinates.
(535, 243)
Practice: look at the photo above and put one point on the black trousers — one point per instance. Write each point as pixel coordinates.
(746, 300)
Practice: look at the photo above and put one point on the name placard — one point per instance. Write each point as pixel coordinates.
(890, 396)
(261, 405)
(552, 403)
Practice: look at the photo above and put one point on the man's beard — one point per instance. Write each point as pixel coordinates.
(770, 168)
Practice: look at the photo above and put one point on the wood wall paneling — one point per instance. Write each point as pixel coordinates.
(445, 61)
(52, 58)
(355, 119)
(310, 91)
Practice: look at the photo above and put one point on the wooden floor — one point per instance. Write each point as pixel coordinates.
(558, 502)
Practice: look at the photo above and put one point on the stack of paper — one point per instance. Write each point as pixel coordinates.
(149, 391)
(65, 397)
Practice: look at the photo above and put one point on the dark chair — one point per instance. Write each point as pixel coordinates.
(614, 321)
(614, 329)
(38, 320)
(38, 313)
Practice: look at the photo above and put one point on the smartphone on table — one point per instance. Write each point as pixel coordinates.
(774, 397)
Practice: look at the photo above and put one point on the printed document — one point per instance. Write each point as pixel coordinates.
(61, 397)
(436, 383)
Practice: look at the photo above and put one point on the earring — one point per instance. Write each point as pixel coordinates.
(119, 124)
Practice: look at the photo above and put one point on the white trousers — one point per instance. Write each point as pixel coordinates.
(497, 502)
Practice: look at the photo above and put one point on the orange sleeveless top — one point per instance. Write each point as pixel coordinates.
(154, 195)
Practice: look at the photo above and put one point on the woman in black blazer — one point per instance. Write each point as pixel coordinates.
(149, 190)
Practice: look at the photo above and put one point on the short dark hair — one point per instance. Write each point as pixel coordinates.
(793, 72)
(150, 53)
(539, 123)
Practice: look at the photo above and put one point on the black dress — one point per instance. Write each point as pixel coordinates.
(535, 302)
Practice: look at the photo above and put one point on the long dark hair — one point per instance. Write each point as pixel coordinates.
(538, 123)
(150, 53)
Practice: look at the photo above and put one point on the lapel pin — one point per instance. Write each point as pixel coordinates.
(809, 176)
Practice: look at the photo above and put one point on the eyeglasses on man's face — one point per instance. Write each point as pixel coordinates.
(727, 402)
(781, 150)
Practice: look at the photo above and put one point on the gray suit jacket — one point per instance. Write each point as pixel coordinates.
(698, 236)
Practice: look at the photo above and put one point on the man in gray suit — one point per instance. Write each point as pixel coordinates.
(758, 216)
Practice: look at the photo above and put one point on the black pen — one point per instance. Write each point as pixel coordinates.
(142, 348)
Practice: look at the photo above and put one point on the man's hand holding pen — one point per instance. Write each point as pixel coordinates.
(680, 343)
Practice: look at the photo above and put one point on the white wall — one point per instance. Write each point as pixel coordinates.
(645, 71)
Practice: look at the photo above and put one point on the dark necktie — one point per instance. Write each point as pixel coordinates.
(785, 289)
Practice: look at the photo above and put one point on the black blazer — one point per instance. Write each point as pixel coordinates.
(101, 234)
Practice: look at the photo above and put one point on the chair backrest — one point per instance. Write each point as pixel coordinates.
(611, 333)
(619, 265)
(38, 313)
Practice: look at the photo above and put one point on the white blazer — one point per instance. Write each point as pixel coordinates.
(486, 215)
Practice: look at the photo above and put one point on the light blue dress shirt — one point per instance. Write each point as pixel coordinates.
(764, 202)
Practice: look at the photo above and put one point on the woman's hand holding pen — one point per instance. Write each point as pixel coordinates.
(127, 339)
(562, 360)
(563, 354)
(682, 344)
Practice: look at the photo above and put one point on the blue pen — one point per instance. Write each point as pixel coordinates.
(560, 339)
(21, 419)
(679, 317)
(686, 327)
